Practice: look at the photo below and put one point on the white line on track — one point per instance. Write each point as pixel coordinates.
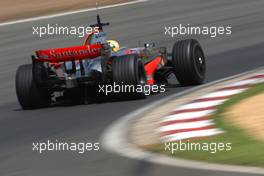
(203, 104)
(245, 82)
(222, 93)
(187, 125)
(69, 13)
(188, 115)
(191, 134)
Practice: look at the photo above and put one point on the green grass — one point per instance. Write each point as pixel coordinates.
(245, 149)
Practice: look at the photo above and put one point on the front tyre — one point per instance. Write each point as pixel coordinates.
(29, 95)
(189, 62)
(129, 70)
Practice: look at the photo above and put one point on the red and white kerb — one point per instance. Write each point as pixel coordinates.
(195, 119)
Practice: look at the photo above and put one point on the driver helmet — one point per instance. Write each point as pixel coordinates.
(114, 45)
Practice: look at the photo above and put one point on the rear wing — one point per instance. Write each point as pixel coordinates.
(69, 54)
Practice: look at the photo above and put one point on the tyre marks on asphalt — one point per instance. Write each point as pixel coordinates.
(195, 119)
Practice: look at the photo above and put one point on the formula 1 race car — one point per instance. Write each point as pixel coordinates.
(73, 70)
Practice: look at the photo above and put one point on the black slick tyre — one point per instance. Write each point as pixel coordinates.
(129, 70)
(29, 95)
(189, 62)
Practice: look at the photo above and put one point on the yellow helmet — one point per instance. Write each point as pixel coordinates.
(114, 45)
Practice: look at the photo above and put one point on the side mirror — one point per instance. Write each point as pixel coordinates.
(149, 45)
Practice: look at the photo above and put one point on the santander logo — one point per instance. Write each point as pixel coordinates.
(74, 52)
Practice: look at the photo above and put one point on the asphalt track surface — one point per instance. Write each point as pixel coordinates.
(227, 55)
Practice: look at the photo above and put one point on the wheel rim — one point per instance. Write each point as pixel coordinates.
(199, 61)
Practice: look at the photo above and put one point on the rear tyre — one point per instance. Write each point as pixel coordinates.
(29, 95)
(189, 62)
(129, 70)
